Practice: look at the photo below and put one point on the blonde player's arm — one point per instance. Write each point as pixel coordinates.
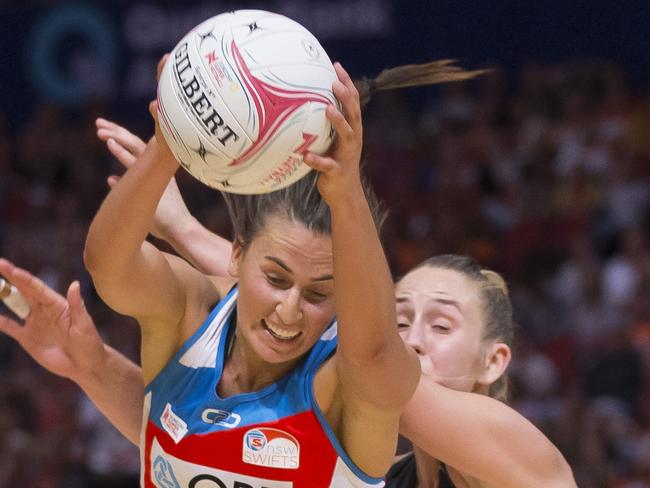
(483, 438)
(206, 251)
(377, 373)
(116, 387)
(173, 222)
(60, 335)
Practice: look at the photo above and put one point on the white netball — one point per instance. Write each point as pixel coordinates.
(242, 98)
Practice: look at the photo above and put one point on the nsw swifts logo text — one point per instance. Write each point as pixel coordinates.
(272, 448)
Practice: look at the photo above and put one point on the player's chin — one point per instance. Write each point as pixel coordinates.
(275, 350)
(272, 356)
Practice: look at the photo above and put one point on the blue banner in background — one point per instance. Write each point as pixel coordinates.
(86, 69)
(74, 53)
(77, 52)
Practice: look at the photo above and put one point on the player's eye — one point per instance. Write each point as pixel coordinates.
(313, 296)
(276, 281)
(440, 327)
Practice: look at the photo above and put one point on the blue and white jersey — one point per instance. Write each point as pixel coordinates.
(272, 438)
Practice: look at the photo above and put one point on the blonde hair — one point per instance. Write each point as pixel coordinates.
(496, 280)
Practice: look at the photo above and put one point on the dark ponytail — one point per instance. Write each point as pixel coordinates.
(441, 71)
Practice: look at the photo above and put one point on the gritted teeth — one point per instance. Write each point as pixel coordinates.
(281, 332)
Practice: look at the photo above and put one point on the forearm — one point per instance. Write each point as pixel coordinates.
(122, 223)
(505, 450)
(364, 288)
(365, 305)
(116, 388)
(376, 369)
(205, 250)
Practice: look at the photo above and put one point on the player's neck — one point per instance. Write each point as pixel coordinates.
(244, 371)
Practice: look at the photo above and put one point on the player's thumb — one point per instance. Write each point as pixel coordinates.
(77, 305)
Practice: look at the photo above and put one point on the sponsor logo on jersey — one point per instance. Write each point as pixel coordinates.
(220, 417)
(272, 448)
(173, 424)
(168, 471)
(163, 473)
(255, 440)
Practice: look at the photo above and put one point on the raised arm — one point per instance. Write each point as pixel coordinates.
(164, 293)
(364, 292)
(492, 442)
(173, 222)
(377, 372)
(61, 336)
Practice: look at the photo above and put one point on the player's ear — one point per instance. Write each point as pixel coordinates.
(497, 358)
(235, 257)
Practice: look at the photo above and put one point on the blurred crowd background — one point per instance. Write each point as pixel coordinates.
(540, 170)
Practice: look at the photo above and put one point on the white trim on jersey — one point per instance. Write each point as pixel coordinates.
(203, 353)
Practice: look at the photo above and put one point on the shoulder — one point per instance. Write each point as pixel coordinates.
(204, 290)
(202, 294)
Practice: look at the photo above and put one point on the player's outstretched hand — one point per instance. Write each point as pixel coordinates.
(123, 144)
(58, 333)
(339, 169)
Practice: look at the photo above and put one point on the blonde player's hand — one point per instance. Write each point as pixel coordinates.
(123, 144)
(58, 333)
(339, 170)
(171, 212)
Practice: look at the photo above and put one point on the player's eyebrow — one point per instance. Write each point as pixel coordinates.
(284, 266)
